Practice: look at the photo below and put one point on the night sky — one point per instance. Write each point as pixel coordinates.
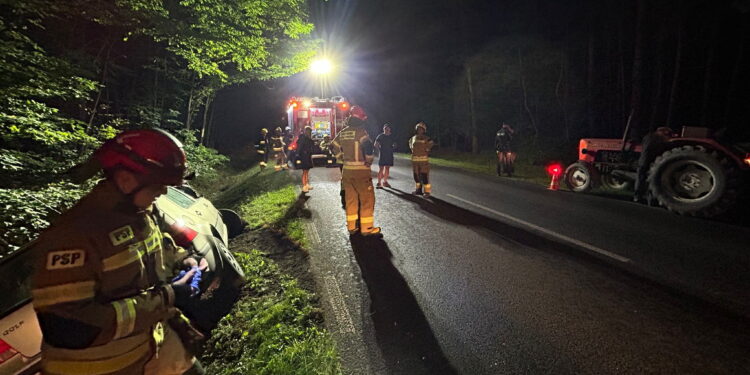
(405, 61)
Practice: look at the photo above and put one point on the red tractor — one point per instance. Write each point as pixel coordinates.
(695, 175)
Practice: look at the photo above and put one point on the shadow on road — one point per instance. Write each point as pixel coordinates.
(401, 329)
(725, 313)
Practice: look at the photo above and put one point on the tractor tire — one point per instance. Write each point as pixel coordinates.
(615, 183)
(694, 181)
(233, 221)
(581, 177)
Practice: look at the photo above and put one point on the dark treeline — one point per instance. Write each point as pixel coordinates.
(556, 70)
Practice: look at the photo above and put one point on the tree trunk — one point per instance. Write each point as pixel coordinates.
(206, 106)
(636, 94)
(472, 114)
(708, 76)
(658, 81)
(562, 99)
(735, 76)
(525, 97)
(590, 116)
(188, 117)
(105, 66)
(676, 75)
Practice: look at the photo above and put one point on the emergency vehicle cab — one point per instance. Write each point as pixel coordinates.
(326, 116)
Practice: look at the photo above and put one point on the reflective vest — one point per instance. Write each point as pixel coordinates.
(420, 146)
(354, 148)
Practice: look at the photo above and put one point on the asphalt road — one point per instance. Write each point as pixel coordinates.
(496, 276)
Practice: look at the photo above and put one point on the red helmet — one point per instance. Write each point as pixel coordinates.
(357, 112)
(154, 154)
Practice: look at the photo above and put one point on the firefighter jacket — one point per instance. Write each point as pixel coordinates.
(354, 148)
(99, 287)
(262, 145)
(277, 144)
(420, 146)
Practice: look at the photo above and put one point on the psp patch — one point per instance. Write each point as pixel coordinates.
(121, 235)
(65, 259)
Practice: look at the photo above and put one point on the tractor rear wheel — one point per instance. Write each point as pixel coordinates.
(694, 181)
(615, 183)
(581, 177)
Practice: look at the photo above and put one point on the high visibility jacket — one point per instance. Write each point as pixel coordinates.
(420, 146)
(262, 146)
(99, 287)
(277, 144)
(354, 148)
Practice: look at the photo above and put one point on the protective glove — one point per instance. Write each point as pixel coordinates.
(190, 336)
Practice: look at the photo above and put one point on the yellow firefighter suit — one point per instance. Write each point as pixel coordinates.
(354, 148)
(420, 146)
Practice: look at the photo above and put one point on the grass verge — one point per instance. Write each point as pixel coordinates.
(276, 326)
(486, 162)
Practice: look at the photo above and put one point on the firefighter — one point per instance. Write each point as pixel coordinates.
(277, 147)
(354, 147)
(100, 286)
(262, 148)
(652, 146)
(420, 146)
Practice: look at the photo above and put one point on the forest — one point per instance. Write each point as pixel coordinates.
(73, 73)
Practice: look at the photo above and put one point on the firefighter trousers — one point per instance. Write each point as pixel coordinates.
(421, 171)
(360, 199)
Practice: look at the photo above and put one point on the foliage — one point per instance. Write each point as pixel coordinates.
(25, 212)
(273, 328)
(202, 160)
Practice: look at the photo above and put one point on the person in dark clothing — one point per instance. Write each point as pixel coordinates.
(262, 148)
(505, 156)
(305, 150)
(384, 143)
(653, 145)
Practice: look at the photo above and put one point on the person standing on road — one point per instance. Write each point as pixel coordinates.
(505, 155)
(652, 146)
(305, 150)
(101, 283)
(354, 146)
(277, 147)
(384, 143)
(420, 146)
(261, 147)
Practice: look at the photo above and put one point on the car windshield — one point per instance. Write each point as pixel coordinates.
(180, 198)
(14, 280)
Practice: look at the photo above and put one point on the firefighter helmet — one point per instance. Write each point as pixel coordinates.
(358, 112)
(264, 131)
(153, 154)
(420, 125)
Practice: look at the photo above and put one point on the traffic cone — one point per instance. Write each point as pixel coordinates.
(555, 183)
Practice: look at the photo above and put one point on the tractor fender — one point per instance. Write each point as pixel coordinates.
(709, 144)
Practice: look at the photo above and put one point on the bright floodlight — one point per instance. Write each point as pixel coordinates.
(321, 66)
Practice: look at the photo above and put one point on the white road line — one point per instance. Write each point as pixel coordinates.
(547, 231)
(340, 311)
(313, 232)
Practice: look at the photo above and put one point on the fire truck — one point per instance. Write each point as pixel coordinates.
(324, 115)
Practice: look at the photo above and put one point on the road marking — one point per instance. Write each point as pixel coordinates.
(547, 231)
(340, 311)
(312, 231)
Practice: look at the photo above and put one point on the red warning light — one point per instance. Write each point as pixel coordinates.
(555, 170)
(344, 105)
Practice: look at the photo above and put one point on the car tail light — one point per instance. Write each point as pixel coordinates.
(747, 159)
(6, 351)
(183, 235)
